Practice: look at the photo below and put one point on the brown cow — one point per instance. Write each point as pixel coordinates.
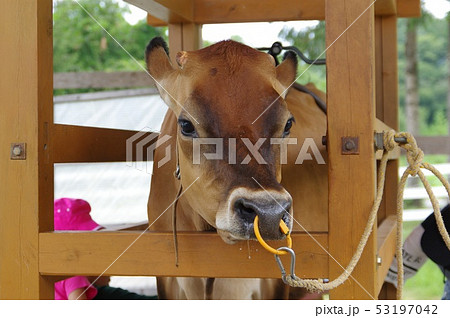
(231, 91)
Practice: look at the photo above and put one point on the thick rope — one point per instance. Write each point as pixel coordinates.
(314, 285)
(414, 156)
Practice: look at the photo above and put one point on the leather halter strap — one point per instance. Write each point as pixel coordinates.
(177, 175)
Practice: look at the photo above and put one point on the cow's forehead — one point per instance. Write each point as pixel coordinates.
(231, 86)
(231, 53)
(226, 59)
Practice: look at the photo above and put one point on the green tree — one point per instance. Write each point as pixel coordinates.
(80, 44)
(432, 74)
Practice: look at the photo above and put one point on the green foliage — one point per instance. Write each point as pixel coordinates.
(80, 44)
(432, 49)
(432, 44)
(311, 41)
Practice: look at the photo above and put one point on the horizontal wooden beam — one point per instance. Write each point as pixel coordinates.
(386, 7)
(125, 226)
(88, 144)
(172, 11)
(386, 243)
(200, 255)
(153, 21)
(71, 80)
(230, 11)
(408, 8)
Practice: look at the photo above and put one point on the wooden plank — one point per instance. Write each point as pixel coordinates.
(408, 8)
(382, 127)
(175, 41)
(230, 11)
(386, 243)
(125, 226)
(192, 36)
(390, 71)
(385, 7)
(351, 105)
(200, 254)
(388, 292)
(379, 68)
(170, 11)
(155, 22)
(26, 189)
(387, 110)
(66, 80)
(44, 107)
(184, 37)
(89, 144)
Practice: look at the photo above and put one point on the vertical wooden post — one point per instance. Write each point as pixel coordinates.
(184, 37)
(26, 105)
(387, 111)
(351, 112)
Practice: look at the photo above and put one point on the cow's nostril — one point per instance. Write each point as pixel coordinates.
(245, 211)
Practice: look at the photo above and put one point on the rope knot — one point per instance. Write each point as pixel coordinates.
(389, 141)
(414, 155)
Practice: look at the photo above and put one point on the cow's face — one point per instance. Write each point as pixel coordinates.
(233, 95)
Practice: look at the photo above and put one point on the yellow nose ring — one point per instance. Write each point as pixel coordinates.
(283, 228)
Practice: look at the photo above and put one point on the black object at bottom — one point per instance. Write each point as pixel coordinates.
(114, 293)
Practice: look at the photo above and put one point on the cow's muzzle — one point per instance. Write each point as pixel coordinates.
(270, 207)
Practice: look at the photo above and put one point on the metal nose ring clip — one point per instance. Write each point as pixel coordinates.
(280, 264)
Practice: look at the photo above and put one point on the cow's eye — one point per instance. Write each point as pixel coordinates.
(287, 128)
(187, 128)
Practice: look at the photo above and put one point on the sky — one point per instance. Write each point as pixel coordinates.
(264, 33)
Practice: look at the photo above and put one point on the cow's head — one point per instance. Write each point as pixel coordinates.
(232, 92)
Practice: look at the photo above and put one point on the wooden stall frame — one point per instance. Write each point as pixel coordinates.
(362, 84)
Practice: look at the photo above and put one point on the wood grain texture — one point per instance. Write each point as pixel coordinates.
(351, 112)
(200, 254)
(184, 37)
(408, 8)
(380, 127)
(155, 22)
(172, 11)
(387, 110)
(26, 187)
(89, 144)
(230, 11)
(386, 243)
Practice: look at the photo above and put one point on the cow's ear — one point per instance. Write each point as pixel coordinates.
(157, 58)
(162, 71)
(287, 70)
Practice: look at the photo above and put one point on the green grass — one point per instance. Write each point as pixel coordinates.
(428, 283)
